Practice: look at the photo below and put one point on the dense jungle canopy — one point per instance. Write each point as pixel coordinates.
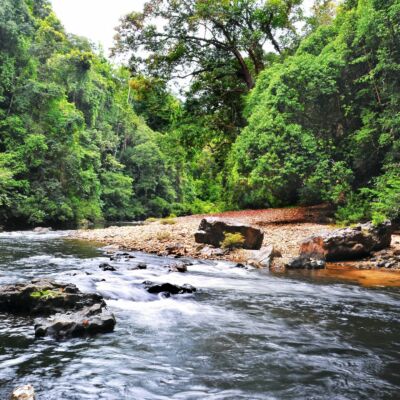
(278, 107)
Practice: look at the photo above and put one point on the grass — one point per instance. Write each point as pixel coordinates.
(45, 294)
(151, 219)
(161, 236)
(233, 241)
(168, 221)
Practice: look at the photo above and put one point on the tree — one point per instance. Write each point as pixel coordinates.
(201, 35)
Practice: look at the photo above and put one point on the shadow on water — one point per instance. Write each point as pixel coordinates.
(245, 334)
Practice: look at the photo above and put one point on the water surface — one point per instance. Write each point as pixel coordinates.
(245, 334)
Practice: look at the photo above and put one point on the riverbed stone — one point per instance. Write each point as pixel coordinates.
(168, 288)
(88, 321)
(44, 297)
(305, 263)
(107, 267)
(212, 231)
(63, 310)
(26, 392)
(263, 258)
(349, 243)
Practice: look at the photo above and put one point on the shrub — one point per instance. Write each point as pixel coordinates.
(151, 219)
(168, 221)
(162, 236)
(233, 241)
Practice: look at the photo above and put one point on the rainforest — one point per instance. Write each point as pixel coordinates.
(276, 107)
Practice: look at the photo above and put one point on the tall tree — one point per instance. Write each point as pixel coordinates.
(177, 36)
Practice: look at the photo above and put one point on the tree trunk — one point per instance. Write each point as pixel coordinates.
(245, 70)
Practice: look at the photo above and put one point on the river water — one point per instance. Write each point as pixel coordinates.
(245, 334)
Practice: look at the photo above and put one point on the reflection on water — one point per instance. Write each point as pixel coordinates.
(246, 334)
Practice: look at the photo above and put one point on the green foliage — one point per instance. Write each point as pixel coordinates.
(66, 128)
(316, 119)
(232, 241)
(323, 124)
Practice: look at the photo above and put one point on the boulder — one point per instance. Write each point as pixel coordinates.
(348, 243)
(305, 263)
(212, 231)
(44, 297)
(62, 309)
(168, 288)
(263, 258)
(25, 392)
(88, 321)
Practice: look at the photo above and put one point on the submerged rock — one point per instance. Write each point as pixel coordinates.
(177, 267)
(26, 392)
(305, 263)
(88, 321)
(212, 231)
(168, 288)
(107, 267)
(72, 312)
(348, 243)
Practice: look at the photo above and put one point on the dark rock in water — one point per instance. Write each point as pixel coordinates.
(212, 231)
(107, 267)
(26, 392)
(349, 243)
(178, 267)
(44, 297)
(305, 263)
(168, 288)
(88, 321)
(72, 312)
(138, 266)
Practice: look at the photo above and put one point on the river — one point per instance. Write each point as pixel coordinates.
(246, 334)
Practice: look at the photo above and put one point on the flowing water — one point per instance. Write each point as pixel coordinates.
(245, 334)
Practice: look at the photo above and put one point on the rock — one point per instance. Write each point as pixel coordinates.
(69, 311)
(44, 297)
(347, 244)
(176, 248)
(305, 263)
(208, 251)
(177, 267)
(26, 392)
(41, 229)
(168, 288)
(88, 321)
(263, 258)
(107, 267)
(212, 231)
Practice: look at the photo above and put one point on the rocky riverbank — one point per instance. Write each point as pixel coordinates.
(284, 231)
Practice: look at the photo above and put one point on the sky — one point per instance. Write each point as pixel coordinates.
(96, 19)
